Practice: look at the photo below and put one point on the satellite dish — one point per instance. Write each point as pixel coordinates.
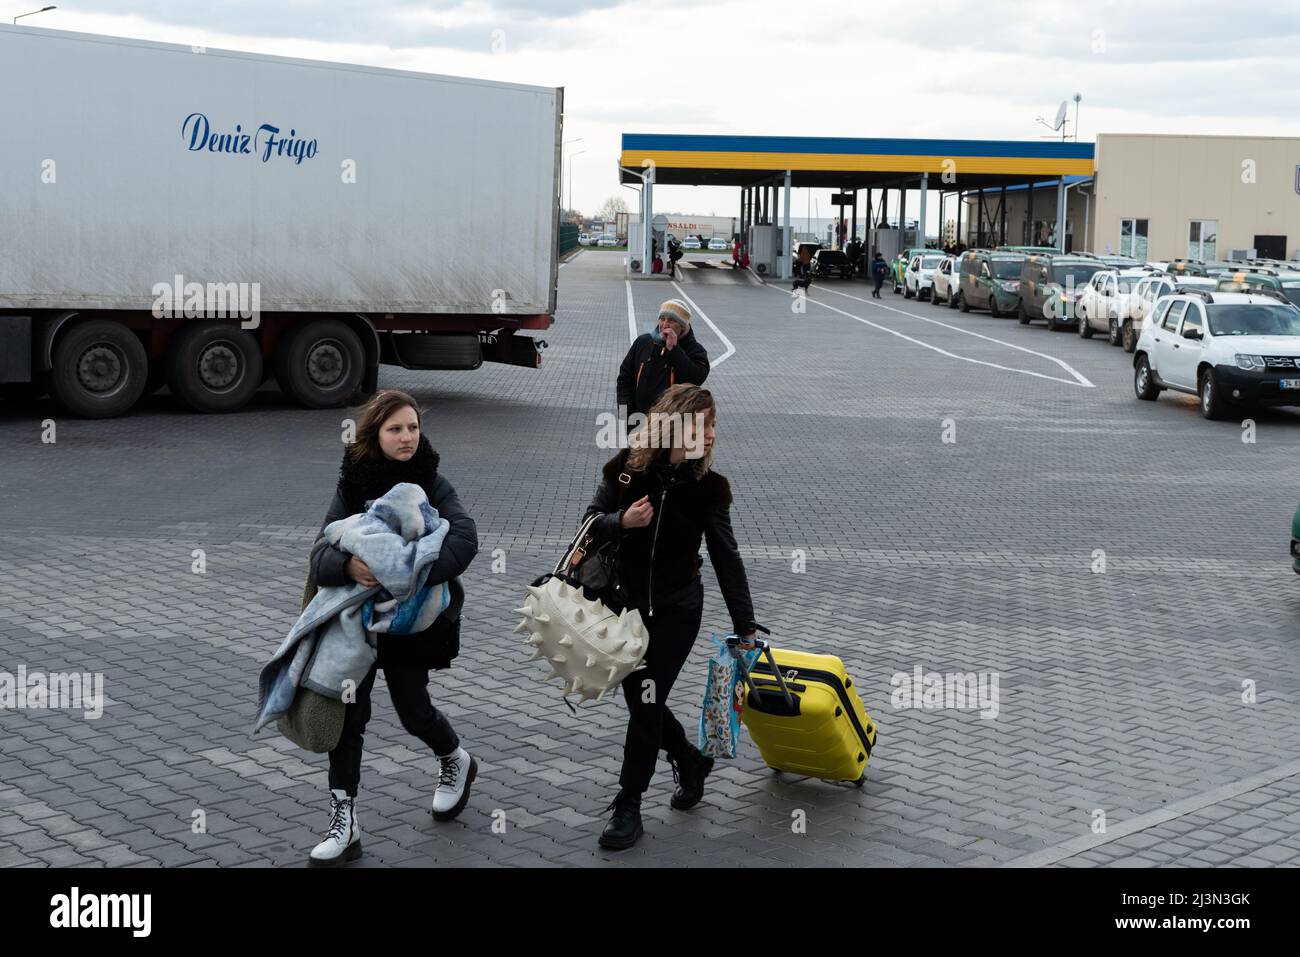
(1060, 116)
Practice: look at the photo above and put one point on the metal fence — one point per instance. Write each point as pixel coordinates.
(568, 237)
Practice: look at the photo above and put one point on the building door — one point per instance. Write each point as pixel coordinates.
(1270, 247)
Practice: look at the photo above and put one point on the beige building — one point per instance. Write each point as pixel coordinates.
(1160, 197)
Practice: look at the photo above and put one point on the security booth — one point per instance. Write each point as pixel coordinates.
(766, 168)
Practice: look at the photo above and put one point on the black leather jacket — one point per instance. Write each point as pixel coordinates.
(659, 562)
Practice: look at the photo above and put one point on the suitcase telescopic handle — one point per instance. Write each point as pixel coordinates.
(733, 643)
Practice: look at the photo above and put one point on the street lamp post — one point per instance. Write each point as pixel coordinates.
(566, 143)
(33, 13)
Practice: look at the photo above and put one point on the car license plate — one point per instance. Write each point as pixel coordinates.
(1289, 384)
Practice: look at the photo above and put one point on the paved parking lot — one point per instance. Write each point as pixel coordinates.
(915, 488)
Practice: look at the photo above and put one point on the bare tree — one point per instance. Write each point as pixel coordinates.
(611, 208)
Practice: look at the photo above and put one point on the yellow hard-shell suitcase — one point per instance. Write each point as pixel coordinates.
(804, 713)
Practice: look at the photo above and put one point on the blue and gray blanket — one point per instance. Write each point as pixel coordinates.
(333, 642)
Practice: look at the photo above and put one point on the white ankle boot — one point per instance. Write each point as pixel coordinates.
(452, 794)
(343, 839)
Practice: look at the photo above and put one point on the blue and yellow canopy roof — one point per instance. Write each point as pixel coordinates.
(842, 162)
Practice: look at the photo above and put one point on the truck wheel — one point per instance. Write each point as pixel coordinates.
(213, 366)
(321, 363)
(1085, 330)
(100, 369)
(1128, 336)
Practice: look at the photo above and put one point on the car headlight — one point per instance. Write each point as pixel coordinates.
(1011, 286)
(1250, 362)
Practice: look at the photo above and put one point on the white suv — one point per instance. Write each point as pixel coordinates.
(1106, 302)
(920, 273)
(1223, 347)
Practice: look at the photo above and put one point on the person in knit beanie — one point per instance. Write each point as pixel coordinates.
(668, 355)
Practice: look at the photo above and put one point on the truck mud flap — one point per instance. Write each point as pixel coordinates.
(512, 349)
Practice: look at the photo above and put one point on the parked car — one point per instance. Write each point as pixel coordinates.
(584, 239)
(1120, 262)
(1041, 250)
(898, 266)
(1198, 267)
(1145, 296)
(717, 242)
(918, 279)
(831, 262)
(1106, 301)
(1226, 348)
(1050, 285)
(609, 239)
(1295, 542)
(1285, 286)
(990, 280)
(691, 243)
(945, 281)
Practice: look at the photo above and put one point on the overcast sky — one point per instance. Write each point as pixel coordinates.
(967, 70)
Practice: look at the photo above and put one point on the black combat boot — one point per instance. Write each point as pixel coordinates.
(689, 771)
(624, 828)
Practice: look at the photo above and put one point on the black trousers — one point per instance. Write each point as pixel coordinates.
(409, 690)
(880, 281)
(651, 727)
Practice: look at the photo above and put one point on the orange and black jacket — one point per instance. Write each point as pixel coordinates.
(647, 370)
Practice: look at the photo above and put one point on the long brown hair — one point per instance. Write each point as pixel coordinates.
(372, 417)
(663, 424)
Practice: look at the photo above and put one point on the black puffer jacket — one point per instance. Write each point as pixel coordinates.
(362, 482)
(660, 562)
(647, 370)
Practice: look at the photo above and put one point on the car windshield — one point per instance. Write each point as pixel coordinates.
(1079, 274)
(831, 256)
(1127, 283)
(1292, 292)
(1006, 268)
(1253, 319)
(931, 262)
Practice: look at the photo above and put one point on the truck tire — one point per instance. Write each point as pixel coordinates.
(320, 363)
(100, 369)
(213, 366)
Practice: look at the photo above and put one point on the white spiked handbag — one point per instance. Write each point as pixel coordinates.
(589, 648)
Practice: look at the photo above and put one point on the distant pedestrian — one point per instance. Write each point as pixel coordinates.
(668, 355)
(879, 270)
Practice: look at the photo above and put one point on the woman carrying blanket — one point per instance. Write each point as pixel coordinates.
(389, 449)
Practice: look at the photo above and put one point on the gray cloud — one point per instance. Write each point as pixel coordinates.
(390, 23)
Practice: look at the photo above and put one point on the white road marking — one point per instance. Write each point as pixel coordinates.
(731, 350)
(934, 348)
(631, 313)
(1010, 345)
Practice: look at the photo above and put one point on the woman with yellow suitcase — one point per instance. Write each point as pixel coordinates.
(659, 500)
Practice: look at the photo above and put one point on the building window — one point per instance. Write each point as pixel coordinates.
(1133, 238)
(1202, 239)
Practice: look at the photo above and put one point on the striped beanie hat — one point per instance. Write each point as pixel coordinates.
(676, 309)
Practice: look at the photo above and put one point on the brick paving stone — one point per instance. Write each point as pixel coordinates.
(967, 557)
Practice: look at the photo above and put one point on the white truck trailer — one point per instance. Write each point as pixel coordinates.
(206, 219)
